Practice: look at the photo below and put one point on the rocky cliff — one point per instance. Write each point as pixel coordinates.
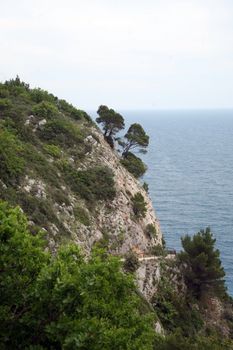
(56, 164)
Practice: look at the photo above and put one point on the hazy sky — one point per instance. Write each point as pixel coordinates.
(128, 54)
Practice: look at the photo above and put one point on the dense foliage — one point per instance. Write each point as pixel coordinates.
(136, 138)
(11, 156)
(111, 121)
(190, 319)
(134, 164)
(64, 302)
(202, 268)
(93, 184)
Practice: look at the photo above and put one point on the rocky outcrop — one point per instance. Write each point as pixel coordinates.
(115, 220)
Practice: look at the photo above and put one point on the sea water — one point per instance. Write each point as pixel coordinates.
(190, 175)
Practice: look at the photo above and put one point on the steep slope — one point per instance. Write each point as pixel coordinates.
(57, 166)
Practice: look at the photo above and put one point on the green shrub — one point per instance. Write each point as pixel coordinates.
(92, 184)
(45, 109)
(177, 341)
(39, 210)
(158, 250)
(62, 132)
(70, 110)
(174, 310)
(151, 230)
(139, 205)
(202, 267)
(134, 165)
(5, 103)
(60, 197)
(38, 95)
(3, 91)
(146, 187)
(53, 150)
(131, 263)
(17, 83)
(82, 215)
(39, 163)
(65, 301)
(11, 157)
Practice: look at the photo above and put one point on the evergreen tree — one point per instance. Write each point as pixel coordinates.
(111, 121)
(136, 137)
(201, 263)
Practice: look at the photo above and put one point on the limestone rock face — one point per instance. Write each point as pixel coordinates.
(116, 220)
(148, 276)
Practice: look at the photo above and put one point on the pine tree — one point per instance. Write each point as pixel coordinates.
(203, 272)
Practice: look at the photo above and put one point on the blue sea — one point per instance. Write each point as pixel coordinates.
(190, 175)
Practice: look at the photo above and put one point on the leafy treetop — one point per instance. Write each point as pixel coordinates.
(202, 266)
(111, 121)
(136, 137)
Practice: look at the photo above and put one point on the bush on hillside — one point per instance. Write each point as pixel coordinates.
(38, 95)
(65, 301)
(139, 205)
(11, 159)
(5, 103)
(61, 132)
(134, 165)
(52, 150)
(45, 110)
(151, 231)
(92, 184)
(131, 263)
(81, 215)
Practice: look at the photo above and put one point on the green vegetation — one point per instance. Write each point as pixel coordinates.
(61, 132)
(174, 310)
(180, 303)
(136, 138)
(68, 302)
(202, 268)
(36, 126)
(53, 150)
(146, 187)
(45, 110)
(5, 103)
(92, 184)
(82, 215)
(176, 341)
(64, 301)
(158, 250)
(111, 121)
(139, 205)
(134, 165)
(11, 157)
(151, 231)
(131, 263)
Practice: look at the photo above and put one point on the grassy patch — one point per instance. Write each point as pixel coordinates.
(82, 215)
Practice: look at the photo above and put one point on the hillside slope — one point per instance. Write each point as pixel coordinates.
(57, 166)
